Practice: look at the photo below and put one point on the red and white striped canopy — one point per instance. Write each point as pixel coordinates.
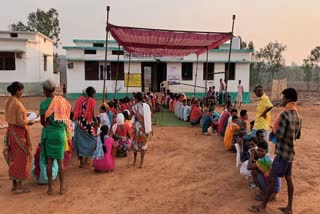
(155, 42)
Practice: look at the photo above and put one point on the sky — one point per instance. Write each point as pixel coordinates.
(294, 23)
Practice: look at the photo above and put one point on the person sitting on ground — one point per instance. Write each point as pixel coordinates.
(104, 156)
(196, 114)
(243, 118)
(207, 122)
(186, 112)
(205, 110)
(234, 112)
(249, 131)
(260, 170)
(230, 130)
(184, 104)
(260, 134)
(224, 120)
(104, 117)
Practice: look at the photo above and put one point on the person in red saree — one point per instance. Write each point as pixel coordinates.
(196, 114)
(85, 133)
(17, 151)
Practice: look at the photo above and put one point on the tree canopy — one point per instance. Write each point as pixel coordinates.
(45, 22)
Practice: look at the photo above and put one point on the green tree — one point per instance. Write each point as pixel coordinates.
(315, 59)
(307, 68)
(45, 22)
(271, 58)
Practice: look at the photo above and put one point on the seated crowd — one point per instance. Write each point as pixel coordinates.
(252, 158)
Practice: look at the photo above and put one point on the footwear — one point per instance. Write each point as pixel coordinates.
(257, 209)
(285, 210)
(25, 190)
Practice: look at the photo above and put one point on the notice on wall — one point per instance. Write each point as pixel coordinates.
(173, 75)
(134, 80)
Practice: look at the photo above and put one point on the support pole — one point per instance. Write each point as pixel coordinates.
(117, 73)
(207, 69)
(106, 58)
(227, 71)
(195, 81)
(128, 75)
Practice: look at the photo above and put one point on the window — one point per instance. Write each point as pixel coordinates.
(45, 62)
(117, 52)
(91, 70)
(98, 45)
(210, 71)
(90, 51)
(232, 71)
(13, 35)
(7, 61)
(114, 70)
(187, 71)
(101, 74)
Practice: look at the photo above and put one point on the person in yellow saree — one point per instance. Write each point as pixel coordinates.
(17, 151)
(55, 114)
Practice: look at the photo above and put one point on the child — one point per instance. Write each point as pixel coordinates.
(104, 117)
(261, 169)
(104, 155)
(230, 130)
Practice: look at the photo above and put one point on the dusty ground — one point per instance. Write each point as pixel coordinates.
(184, 172)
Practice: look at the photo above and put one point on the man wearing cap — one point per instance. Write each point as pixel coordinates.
(263, 115)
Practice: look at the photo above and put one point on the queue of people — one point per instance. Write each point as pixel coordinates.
(120, 126)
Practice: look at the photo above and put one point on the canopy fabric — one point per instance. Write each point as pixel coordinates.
(154, 42)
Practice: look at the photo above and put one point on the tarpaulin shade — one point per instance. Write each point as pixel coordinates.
(155, 42)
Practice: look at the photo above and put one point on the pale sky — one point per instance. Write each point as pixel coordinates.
(295, 23)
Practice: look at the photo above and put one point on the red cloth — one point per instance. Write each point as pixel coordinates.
(196, 113)
(153, 42)
(223, 119)
(124, 107)
(37, 161)
(19, 153)
(90, 104)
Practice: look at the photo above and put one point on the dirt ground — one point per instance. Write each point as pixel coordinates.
(185, 172)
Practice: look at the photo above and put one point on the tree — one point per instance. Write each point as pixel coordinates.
(270, 58)
(307, 70)
(315, 59)
(45, 22)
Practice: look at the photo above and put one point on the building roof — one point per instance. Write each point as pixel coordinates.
(27, 32)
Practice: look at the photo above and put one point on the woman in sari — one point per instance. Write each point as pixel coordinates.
(141, 127)
(122, 136)
(17, 149)
(55, 118)
(84, 139)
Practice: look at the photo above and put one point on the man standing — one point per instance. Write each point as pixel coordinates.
(287, 128)
(221, 92)
(263, 115)
(239, 95)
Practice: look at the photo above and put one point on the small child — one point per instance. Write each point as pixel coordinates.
(103, 117)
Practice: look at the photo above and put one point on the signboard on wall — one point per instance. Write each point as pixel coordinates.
(173, 75)
(134, 80)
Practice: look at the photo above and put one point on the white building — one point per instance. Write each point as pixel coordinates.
(85, 65)
(26, 57)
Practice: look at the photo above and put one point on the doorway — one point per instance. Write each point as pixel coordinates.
(152, 74)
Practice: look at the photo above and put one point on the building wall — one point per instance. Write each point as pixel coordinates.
(30, 67)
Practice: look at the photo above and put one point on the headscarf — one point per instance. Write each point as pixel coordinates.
(120, 119)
